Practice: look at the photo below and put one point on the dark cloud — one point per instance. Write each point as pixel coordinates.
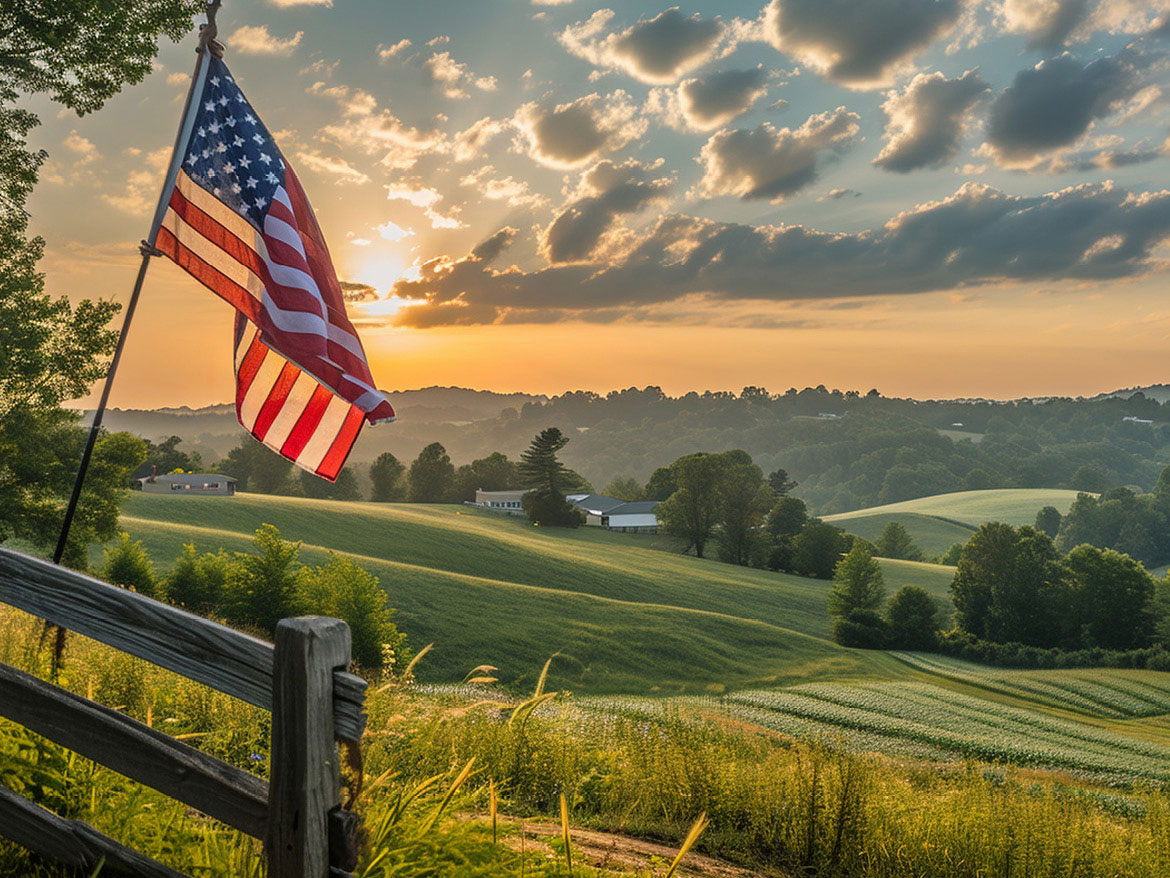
(606, 191)
(858, 42)
(766, 162)
(487, 250)
(1048, 25)
(717, 99)
(655, 50)
(357, 292)
(977, 236)
(838, 194)
(572, 134)
(1051, 106)
(925, 122)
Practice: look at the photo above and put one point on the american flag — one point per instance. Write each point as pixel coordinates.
(239, 222)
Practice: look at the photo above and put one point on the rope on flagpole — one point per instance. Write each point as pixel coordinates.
(208, 44)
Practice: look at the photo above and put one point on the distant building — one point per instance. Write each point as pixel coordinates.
(1133, 419)
(507, 502)
(188, 484)
(615, 514)
(828, 416)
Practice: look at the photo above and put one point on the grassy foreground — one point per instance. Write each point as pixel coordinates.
(624, 616)
(775, 805)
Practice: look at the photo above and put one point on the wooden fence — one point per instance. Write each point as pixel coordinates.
(302, 679)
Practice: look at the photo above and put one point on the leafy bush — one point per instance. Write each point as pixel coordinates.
(261, 589)
(913, 618)
(196, 581)
(862, 629)
(127, 564)
(342, 589)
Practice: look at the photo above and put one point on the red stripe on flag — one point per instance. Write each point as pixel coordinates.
(307, 423)
(275, 401)
(335, 457)
(212, 278)
(249, 366)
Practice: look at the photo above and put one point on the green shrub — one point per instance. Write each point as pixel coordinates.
(261, 589)
(862, 629)
(342, 589)
(913, 618)
(127, 564)
(196, 581)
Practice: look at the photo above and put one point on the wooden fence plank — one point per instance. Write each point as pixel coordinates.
(306, 779)
(70, 841)
(134, 749)
(197, 648)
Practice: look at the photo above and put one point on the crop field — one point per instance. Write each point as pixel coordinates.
(918, 719)
(1102, 692)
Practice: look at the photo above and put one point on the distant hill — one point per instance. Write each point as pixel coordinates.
(1159, 392)
(938, 522)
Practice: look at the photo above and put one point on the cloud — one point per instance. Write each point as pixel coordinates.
(177, 79)
(468, 143)
(573, 134)
(1050, 24)
(838, 194)
(82, 147)
(285, 4)
(515, 193)
(706, 103)
(771, 163)
(250, 40)
(357, 292)
(1051, 106)
(393, 232)
(141, 191)
(605, 192)
(977, 236)
(426, 198)
(336, 167)
(366, 127)
(453, 77)
(387, 52)
(656, 50)
(925, 122)
(858, 44)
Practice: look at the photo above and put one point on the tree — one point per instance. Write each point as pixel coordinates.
(260, 588)
(857, 583)
(780, 483)
(1090, 479)
(432, 475)
(951, 556)
(344, 488)
(895, 542)
(625, 488)
(127, 564)
(165, 457)
(386, 475)
(787, 517)
(492, 473)
(342, 589)
(195, 582)
(1113, 596)
(862, 629)
(1048, 521)
(661, 484)
(817, 549)
(255, 468)
(547, 480)
(692, 510)
(745, 500)
(913, 619)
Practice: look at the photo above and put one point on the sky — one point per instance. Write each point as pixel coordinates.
(935, 198)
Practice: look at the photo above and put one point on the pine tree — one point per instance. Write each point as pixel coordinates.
(546, 479)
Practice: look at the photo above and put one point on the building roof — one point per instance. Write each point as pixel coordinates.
(641, 507)
(598, 504)
(187, 478)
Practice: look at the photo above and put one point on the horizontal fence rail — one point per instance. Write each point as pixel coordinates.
(201, 650)
(302, 680)
(134, 749)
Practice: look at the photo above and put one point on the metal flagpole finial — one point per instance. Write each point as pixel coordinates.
(209, 31)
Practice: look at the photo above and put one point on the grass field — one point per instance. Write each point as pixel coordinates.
(938, 522)
(495, 590)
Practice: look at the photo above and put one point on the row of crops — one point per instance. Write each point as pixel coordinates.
(919, 720)
(1098, 691)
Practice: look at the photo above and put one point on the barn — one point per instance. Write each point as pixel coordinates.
(188, 484)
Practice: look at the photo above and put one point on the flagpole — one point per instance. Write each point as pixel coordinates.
(147, 249)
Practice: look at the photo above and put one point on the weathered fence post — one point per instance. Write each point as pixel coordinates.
(305, 783)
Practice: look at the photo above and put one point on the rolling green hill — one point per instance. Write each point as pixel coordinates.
(938, 522)
(495, 590)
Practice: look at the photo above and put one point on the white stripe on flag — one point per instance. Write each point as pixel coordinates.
(290, 410)
(258, 390)
(316, 449)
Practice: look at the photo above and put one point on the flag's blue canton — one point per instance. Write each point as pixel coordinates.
(231, 153)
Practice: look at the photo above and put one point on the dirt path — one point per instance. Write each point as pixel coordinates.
(622, 853)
